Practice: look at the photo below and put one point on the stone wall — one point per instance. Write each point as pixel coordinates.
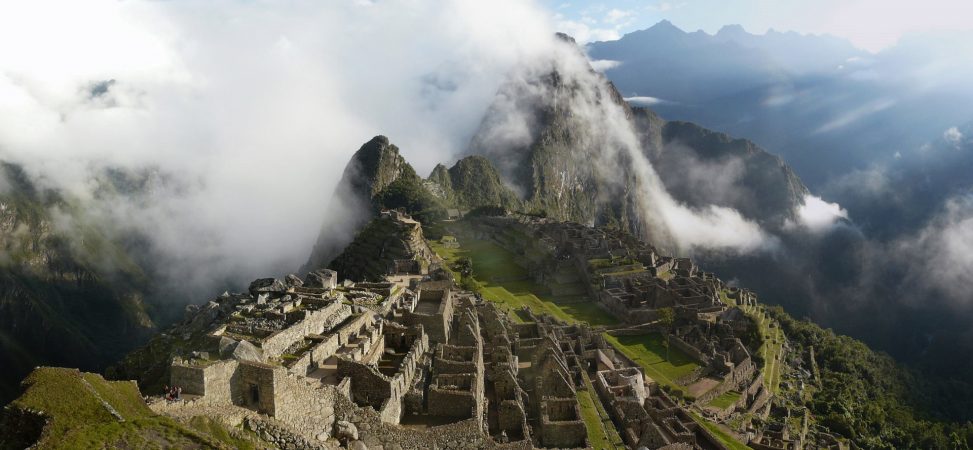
(512, 418)
(258, 390)
(693, 352)
(437, 325)
(359, 323)
(381, 392)
(279, 435)
(452, 395)
(561, 423)
(736, 379)
(368, 385)
(190, 378)
(217, 382)
(316, 322)
(306, 407)
(375, 433)
(454, 359)
(316, 356)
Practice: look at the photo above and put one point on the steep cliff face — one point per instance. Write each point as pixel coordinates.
(371, 170)
(378, 177)
(700, 167)
(562, 134)
(546, 131)
(374, 167)
(473, 182)
(69, 294)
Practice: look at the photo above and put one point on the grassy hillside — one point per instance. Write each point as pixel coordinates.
(83, 411)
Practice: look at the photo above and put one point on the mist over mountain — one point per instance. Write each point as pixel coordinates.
(213, 145)
(823, 105)
(882, 135)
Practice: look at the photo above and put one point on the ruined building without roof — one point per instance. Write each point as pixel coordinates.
(415, 362)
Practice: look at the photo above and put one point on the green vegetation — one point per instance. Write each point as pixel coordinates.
(475, 182)
(597, 437)
(492, 263)
(604, 263)
(67, 278)
(725, 400)
(726, 298)
(408, 192)
(499, 278)
(772, 341)
(719, 433)
(217, 431)
(649, 352)
(601, 431)
(76, 403)
(865, 396)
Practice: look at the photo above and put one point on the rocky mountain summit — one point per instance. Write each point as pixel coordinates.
(579, 158)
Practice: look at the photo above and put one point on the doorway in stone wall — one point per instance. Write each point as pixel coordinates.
(254, 396)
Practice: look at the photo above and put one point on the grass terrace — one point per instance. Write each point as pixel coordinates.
(721, 435)
(725, 400)
(773, 342)
(502, 280)
(649, 353)
(601, 430)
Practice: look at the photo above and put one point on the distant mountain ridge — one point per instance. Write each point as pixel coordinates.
(559, 165)
(72, 296)
(827, 107)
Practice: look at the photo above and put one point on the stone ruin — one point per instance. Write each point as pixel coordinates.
(416, 362)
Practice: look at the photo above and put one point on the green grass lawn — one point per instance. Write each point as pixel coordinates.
(601, 430)
(721, 435)
(597, 437)
(725, 400)
(504, 281)
(648, 351)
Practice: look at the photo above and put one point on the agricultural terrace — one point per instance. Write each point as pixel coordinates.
(772, 344)
(503, 280)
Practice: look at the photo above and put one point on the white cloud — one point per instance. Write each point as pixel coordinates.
(605, 136)
(953, 136)
(664, 6)
(644, 100)
(940, 256)
(583, 32)
(817, 215)
(617, 16)
(602, 65)
(253, 108)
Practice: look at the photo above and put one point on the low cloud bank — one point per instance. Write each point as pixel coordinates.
(243, 113)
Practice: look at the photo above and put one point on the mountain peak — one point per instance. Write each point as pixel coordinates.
(565, 37)
(667, 26)
(732, 30)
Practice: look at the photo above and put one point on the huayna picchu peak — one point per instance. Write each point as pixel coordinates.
(405, 225)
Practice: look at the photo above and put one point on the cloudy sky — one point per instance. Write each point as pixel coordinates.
(253, 108)
(870, 24)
